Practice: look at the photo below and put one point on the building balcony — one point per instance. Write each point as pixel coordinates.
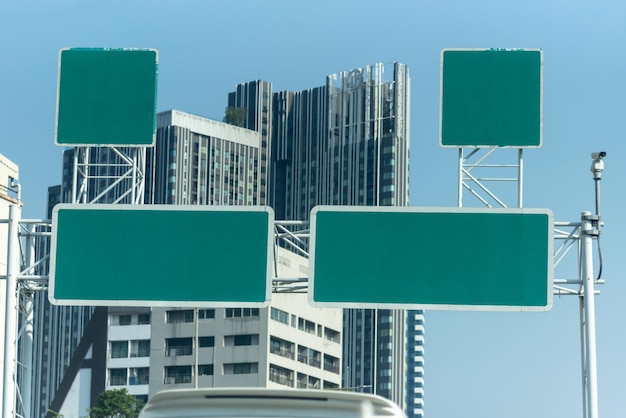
(281, 380)
(309, 360)
(331, 368)
(178, 351)
(283, 352)
(170, 380)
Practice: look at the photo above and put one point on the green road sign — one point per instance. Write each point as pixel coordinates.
(431, 258)
(491, 98)
(161, 255)
(106, 97)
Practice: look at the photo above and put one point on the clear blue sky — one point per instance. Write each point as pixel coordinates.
(477, 364)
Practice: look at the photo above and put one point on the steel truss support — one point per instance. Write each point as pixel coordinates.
(472, 175)
(25, 263)
(103, 174)
(108, 174)
(294, 236)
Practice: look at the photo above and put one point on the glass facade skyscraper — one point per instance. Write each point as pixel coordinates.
(347, 143)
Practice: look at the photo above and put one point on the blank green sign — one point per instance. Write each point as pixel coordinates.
(431, 258)
(161, 255)
(491, 98)
(106, 97)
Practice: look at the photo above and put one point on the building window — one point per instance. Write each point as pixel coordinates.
(177, 317)
(241, 368)
(139, 376)
(206, 313)
(330, 385)
(205, 370)
(331, 364)
(206, 341)
(280, 316)
(314, 382)
(306, 325)
(332, 335)
(241, 312)
(125, 319)
(178, 347)
(140, 348)
(244, 339)
(118, 349)
(302, 381)
(177, 374)
(282, 347)
(309, 356)
(117, 377)
(281, 375)
(144, 319)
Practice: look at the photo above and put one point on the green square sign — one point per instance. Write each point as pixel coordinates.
(491, 98)
(106, 97)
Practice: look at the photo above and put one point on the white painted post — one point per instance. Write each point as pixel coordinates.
(10, 319)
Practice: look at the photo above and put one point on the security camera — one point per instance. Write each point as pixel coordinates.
(597, 165)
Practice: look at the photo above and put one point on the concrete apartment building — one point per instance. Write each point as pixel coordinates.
(287, 344)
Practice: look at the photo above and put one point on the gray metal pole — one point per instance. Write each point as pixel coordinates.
(10, 319)
(583, 353)
(590, 315)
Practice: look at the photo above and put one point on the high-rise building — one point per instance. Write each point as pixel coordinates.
(252, 106)
(198, 161)
(347, 143)
(343, 143)
(415, 364)
(195, 161)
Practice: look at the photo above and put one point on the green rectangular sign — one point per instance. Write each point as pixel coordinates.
(106, 97)
(491, 98)
(431, 258)
(161, 255)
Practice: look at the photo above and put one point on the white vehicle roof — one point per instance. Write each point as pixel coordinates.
(266, 403)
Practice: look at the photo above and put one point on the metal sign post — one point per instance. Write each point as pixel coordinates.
(588, 326)
(590, 228)
(10, 319)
